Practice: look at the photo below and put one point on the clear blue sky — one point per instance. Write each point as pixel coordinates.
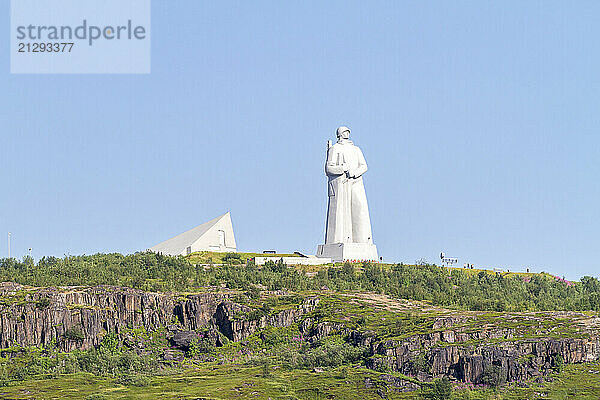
(479, 122)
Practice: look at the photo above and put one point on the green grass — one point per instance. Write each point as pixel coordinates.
(231, 376)
(213, 257)
(220, 382)
(400, 325)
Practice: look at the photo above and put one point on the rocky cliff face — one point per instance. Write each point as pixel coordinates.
(78, 318)
(468, 356)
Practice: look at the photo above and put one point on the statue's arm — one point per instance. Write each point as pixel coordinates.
(331, 165)
(362, 166)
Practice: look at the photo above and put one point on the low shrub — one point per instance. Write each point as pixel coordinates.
(97, 396)
(440, 389)
(75, 333)
(133, 380)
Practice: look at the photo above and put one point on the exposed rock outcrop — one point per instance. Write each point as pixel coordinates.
(467, 356)
(80, 317)
(456, 347)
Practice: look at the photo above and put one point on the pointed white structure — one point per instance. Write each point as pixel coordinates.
(214, 235)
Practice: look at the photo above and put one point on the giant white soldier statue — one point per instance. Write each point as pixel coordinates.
(348, 229)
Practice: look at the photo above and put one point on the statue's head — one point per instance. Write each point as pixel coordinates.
(343, 132)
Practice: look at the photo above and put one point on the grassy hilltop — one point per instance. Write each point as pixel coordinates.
(453, 287)
(295, 332)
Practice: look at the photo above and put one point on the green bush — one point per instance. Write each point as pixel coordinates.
(133, 380)
(440, 389)
(97, 396)
(253, 292)
(278, 267)
(43, 303)
(107, 360)
(266, 370)
(75, 333)
(232, 258)
(200, 346)
(493, 376)
(440, 286)
(255, 315)
(421, 363)
(557, 362)
(332, 353)
(109, 344)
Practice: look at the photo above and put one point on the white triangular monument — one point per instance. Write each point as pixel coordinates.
(214, 235)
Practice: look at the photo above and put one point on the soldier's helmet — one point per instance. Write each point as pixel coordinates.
(341, 130)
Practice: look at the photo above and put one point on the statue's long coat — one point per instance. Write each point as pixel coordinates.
(347, 213)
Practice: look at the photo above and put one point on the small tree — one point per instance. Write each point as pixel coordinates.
(440, 389)
(200, 346)
(492, 376)
(421, 363)
(266, 370)
(75, 333)
(253, 292)
(348, 269)
(232, 258)
(558, 363)
(109, 344)
(43, 303)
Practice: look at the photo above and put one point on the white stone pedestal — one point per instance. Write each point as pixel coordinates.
(340, 252)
